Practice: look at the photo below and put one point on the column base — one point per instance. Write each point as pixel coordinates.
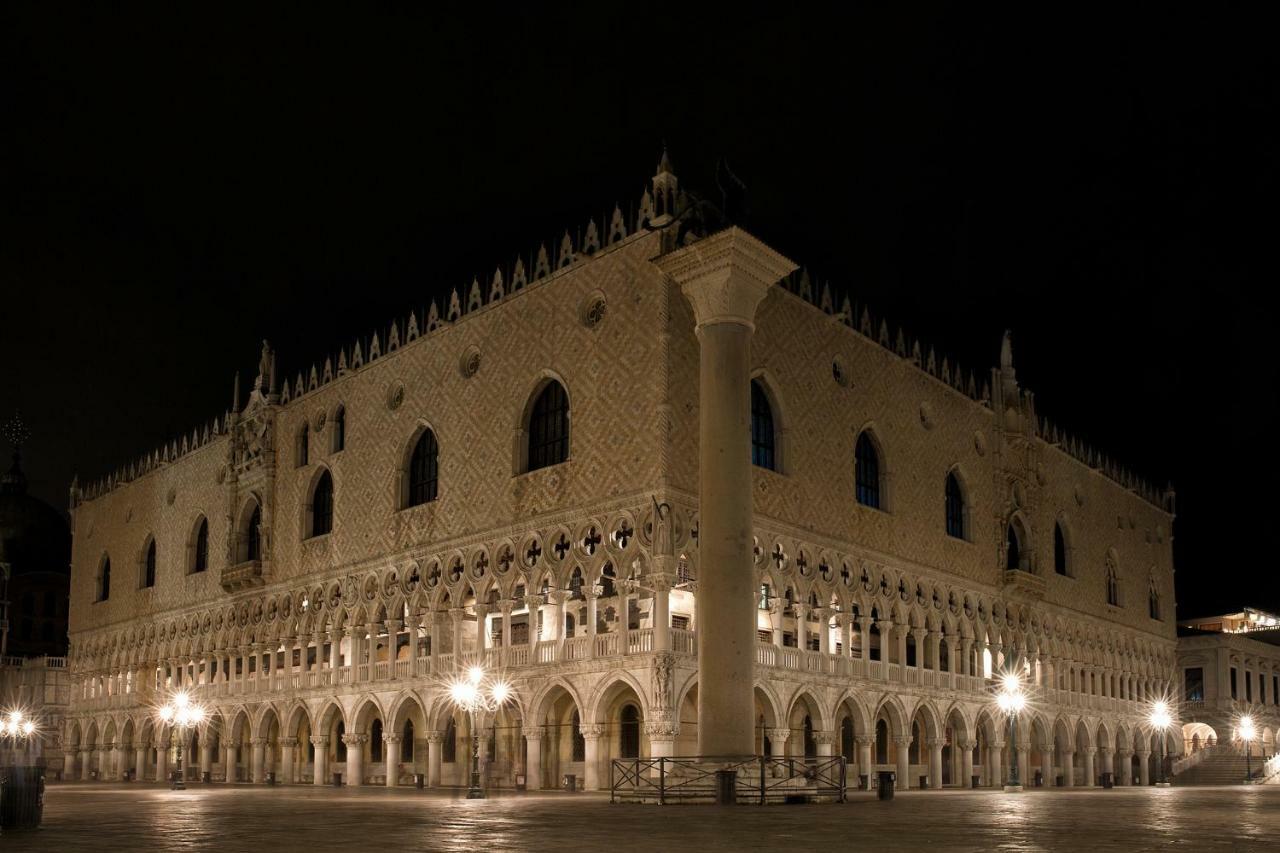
(1162, 784)
(1012, 789)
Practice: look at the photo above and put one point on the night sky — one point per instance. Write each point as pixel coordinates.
(173, 190)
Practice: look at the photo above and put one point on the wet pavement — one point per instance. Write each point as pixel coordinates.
(85, 817)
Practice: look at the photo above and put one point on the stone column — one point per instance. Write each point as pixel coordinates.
(533, 756)
(1108, 762)
(1046, 764)
(591, 593)
(85, 764)
(258, 748)
(661, 612)
(229, 761)
(846, 633)
(1124, 768)
(864, 630)
(320, 766)
(865, 766)
(434, 740)
(778, 742)
(901, 639)
(482, 635)
(922, 649)
(591, 733)
(288, 759)
(966, 763)
(162, 760)
(824, 629)
(355, 742)
(776, 620)
(335, 652)
(392, 755)
(1024, 764)
(966, 649)
(68, 765)
(393, 645)
(117, 772)
(1068, 769)
(662, 738)
(994, 772)
(903, 781)
(935, 761)
(140, 761)
(823, 744)
(506, 606)
(456, 614)
(1144, 767)
(802, 627)
(725, 277)
(886, 643)
(1089, 776)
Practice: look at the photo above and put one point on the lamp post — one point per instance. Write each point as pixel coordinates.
(477, 691)
(181, 713)
(1160, 719)
(1011, 700)
(15, 725)
(1247, 732)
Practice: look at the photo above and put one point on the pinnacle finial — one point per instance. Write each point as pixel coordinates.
(1006, 351)
(664, 165)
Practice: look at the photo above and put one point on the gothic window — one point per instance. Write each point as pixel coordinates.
(1013, 549)
(1153, 601)
(549, 428)
(339, 429)
(1059, 550)
(322, 505)
(424, 470)
(304, 445)
(867, 472)
(149, 565)
(762, 435)
(629, 732)
(1113, 584)
(200, 558)
(579, 742)
(252, 535)
(955, 507)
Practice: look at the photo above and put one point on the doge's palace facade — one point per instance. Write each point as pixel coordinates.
(514, 479)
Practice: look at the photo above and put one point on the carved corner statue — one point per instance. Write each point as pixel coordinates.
(663, 543)
(264, 367)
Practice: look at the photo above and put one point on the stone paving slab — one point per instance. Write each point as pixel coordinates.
(121, 817)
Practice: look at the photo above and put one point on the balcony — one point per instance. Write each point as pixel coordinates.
(242, 576)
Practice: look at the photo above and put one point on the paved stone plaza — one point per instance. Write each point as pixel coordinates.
(153, 819)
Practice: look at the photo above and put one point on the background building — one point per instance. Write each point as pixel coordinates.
(513, 477)
(35, 568)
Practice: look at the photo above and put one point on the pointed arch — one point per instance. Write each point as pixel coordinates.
(249, 530)
(768, 424)
(956, 501)
(147, 563)
(198, 546)
(318, 512)
(1063, 551)
(543, 431)
(103, 579)
(871, 473)
(338, 429)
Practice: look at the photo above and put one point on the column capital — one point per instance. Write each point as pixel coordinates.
(725, 276)
(259, 741)
(661, 729)
(435, 737)
(390, 738)
(903, 740)
(779, 735)
(532, 733)
(354, 738)
(865, 740)
(824, 737)
(316, 740)
(936, 742)
(591, 731)
(506, 606)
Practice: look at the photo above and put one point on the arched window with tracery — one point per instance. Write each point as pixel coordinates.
(867, 472)
(149, 565)
(1060, 550)
(252, 535)
(303, 449)
(763, 438)
(1113, 584)
(1153, 600)
(339, 428)
(424, 470)
(322, 505)
(1013, 549)
(955, 507)
(104, 579)
(200, 554)
(548, 427)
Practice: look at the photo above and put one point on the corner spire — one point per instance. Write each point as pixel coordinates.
(1008, 377)
(666, 189)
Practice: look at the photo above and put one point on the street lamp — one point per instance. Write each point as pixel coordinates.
(477, 691)
(1246, 732)
(24, 811)
(1011, 700)
(180, 713)
(1161, 719)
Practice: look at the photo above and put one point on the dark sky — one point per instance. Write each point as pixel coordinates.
(172, 190)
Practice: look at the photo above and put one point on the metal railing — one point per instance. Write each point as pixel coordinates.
(757, 779)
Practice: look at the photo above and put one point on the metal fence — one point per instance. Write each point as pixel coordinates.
(757, 779)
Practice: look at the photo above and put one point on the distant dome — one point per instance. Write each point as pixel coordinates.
(34, 537)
